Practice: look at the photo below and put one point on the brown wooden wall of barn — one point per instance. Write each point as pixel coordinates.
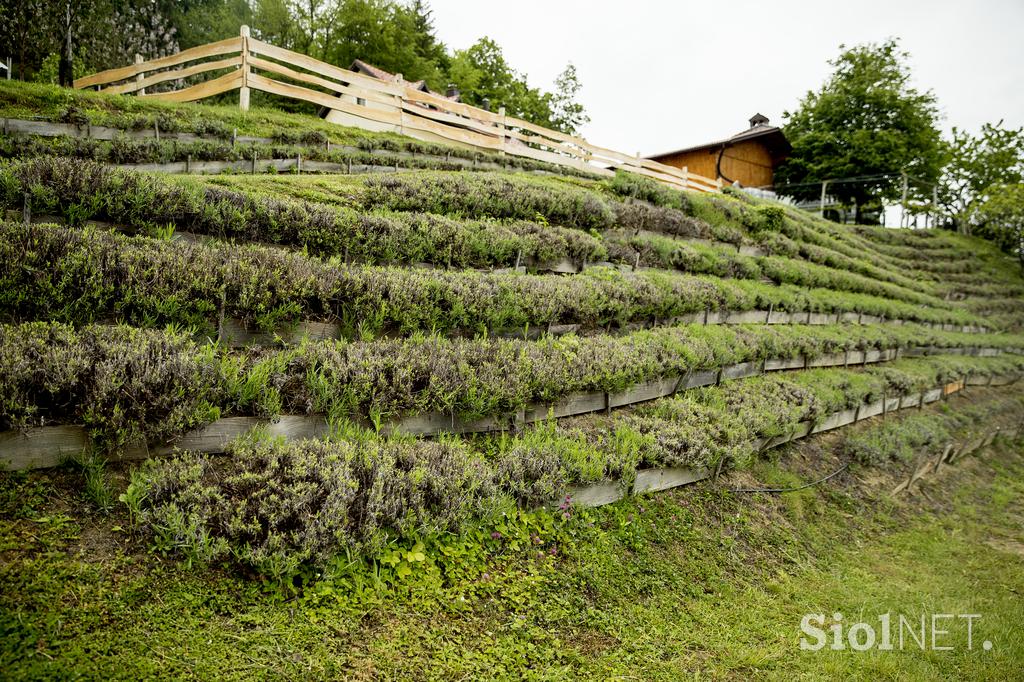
(749, 162)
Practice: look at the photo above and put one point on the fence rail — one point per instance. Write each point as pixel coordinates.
(358, 100)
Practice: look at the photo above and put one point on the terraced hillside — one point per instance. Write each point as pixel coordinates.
(324, 364)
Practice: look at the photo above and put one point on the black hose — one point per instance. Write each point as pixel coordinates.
(790, 490)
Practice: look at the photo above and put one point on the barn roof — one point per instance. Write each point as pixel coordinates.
(771, 136)
(359, 66)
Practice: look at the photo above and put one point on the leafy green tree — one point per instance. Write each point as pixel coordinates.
(1000, 218)
(486, 79)
(993, 157)
(387, 35)
(274, 22)
(866, 122)
(197, 22)
(567, 114)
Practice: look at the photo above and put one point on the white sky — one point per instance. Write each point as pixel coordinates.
(659, 75)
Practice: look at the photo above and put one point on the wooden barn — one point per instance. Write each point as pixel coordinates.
(749, 157)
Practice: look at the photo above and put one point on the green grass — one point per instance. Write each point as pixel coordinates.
(695, 583)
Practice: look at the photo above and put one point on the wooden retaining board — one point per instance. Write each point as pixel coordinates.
(47, 446)
(653, 480)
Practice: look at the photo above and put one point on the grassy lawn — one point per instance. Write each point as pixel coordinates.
(697, 583)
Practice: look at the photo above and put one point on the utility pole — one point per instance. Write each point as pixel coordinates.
(821, 206)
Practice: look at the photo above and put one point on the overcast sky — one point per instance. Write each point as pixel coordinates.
(660, 75)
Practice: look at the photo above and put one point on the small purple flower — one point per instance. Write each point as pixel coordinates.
(495, 535)
(553, 550)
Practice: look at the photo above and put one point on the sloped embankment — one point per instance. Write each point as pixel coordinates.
(318, 363)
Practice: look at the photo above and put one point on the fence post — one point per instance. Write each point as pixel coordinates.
(686, 177)
(501, 129)
(400, 80)
(141, 75)
(243, 92)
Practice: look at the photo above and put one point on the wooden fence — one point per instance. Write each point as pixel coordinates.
(358, 100)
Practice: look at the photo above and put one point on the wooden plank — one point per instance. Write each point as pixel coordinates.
(869, 410)
(707, 377)
(648, 390)
(39, 448)
(173, 75)
(835, 420)
(827, 360)
(513, 122)
(458, 122)
(322, 68)
(778, 364)
(212, 438)
(653, 480)
(741, 370)
(229, 81)
(746, 317)
(569, 150)
(364, 93)
(458, 108)
(596, 494)
(415, 122)
(818, 319)
(201, 52)
(551, 157)
(257, 82)
(576, 403)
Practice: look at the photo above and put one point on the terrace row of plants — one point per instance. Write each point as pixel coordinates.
(127, 384)
(85, 275)
(282, 509)
(81, 107)
(933, 252)
(85, 191)
(128, 151)
(577, 204)
(570, 204)
(323, 231)
(904, 438)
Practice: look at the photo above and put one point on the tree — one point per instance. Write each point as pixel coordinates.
(1000, 218)
(993, 157)
(567, 114)
(387, 35)
(866, 122)
(485, 79)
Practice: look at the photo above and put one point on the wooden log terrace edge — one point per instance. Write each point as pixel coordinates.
(48, 446)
